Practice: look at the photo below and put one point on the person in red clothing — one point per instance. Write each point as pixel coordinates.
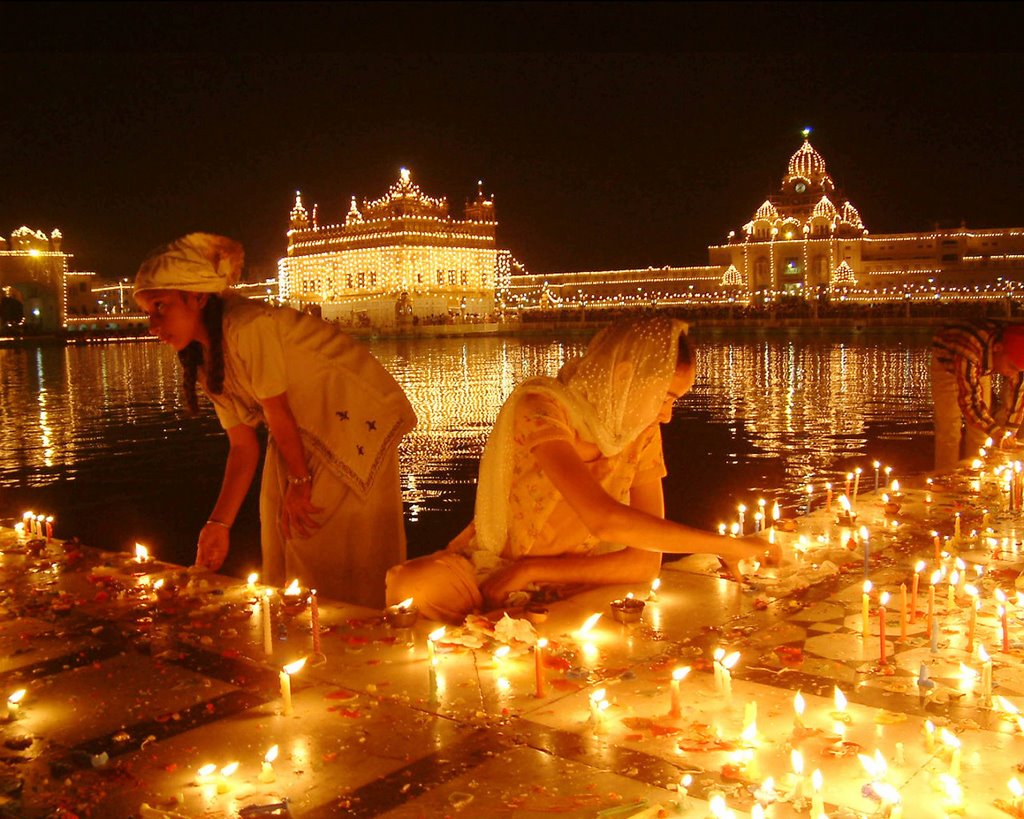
(965, 356)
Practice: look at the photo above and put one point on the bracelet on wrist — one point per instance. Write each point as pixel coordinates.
(216, 522)
(293, 481)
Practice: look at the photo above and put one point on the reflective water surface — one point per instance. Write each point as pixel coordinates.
(96, 436)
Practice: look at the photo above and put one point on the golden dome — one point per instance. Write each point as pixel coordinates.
(807, 164)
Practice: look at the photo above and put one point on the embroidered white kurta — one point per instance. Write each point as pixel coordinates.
(351, 416)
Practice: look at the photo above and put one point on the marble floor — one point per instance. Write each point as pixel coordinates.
(164, 702)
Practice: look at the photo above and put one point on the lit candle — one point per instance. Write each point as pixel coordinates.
(888, 473)
(817, 803)
(903, 612)
(678, 675)
(938, 548)
(931, 600)
(929, 736)
(865, 628)
(285, 678)
(204, 773)
(742, 509)
(721, 529)
(761, 511)
(876, 465)
(810, 496)
(716, 667)
(1006, 629)
(956, 525)
(727, 664)
(797, 761)
(141, 553)
(849, 480)
(798, 711)
(828, 497)
(268, 638)
(267, 774)
(684, 792)
(225, 774)
(598, 704)
(883, 599)
(1017, 790)
(986, 675)
(314, 616)
(251, 582)
(26, 523)
(14, 703)
(49, 528)
(934, 634)
(954, 758)
(431, 651)
(972, 617)
(655, 585)
(913, 594)
(776, 512)
(538, 665)
(856, 481)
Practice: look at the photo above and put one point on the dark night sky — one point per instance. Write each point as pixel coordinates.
(611, 136)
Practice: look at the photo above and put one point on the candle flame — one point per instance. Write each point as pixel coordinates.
(840, 699)
(895, 487)
(227, 770)
(845, 503)
(888, 794)
(1015, 788)
(718, 655)
(798, 704)
(434, 636)
(542, 642)
(293, 587)
(866, 587)
(731, 660)
(141, 553)
(252, 579)
(776, 511)
(597, 696)
(1000, 596)
(589, 624)
(797, 760)
(864, 533)
(936, 577)
(159, 584)
(502, 652)
(680, 673)
(206, 770)
(884, 599)
(1006, 705)
(948, 738)
(271, 754)
(919, 566)
(655, 584)
(293, 668)
(749, 734)
(17, 696)
(816, 779)
(954, 793)
(971, 590)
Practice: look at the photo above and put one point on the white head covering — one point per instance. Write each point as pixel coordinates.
(198, 262)
(611, 395)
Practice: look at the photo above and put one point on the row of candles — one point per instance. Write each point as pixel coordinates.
(761, 517)
(33, 525)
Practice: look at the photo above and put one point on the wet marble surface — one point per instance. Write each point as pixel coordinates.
(128, 694)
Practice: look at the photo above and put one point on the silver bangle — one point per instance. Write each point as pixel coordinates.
(218, 523)
(293, 481)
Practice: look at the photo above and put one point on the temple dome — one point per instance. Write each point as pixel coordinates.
(807, 164)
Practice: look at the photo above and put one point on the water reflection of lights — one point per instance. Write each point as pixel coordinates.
(803, 402)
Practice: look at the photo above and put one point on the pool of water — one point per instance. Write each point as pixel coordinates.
(96, 436)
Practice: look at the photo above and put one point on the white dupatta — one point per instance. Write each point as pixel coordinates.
(611, 395)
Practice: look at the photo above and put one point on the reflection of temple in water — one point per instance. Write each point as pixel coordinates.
(62, 405)
(809, 404)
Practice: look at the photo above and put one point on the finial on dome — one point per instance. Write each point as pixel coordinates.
(404, 174)
(806, 132)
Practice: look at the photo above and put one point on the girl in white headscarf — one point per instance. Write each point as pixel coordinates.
(570, 482)
(330, 499)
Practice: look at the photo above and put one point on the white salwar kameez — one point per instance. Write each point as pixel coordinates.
(351, 415)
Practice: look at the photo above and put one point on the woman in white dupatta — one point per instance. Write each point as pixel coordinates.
(570, 482)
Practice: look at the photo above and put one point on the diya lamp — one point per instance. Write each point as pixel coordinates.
(294, 598)
(402, 615)
(267, 774)
(14, 703)
(846, 516)
(889, 506)
(628, 609)
(165, 592)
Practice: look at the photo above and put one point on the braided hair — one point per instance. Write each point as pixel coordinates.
(191, 357)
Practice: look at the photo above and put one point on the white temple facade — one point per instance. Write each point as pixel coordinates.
(395, 260)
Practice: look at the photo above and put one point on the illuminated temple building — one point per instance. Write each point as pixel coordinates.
(398, 259)
(807, 240)
(33, 278)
